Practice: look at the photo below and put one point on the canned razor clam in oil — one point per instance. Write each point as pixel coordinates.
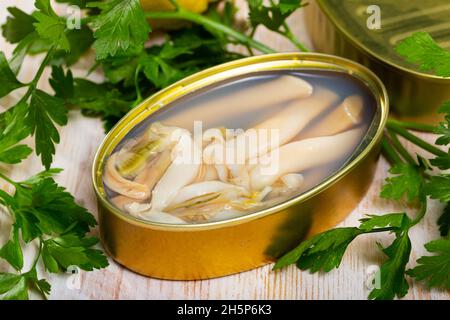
(342, 28)
(227, 169)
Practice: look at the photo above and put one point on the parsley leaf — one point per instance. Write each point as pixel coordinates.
(41, 209)
(270, 17)
(17, 26)
(407, 180)
(420, 48)
(40, 284)
(8, 281)
(16, 285)
(7, 78)
(40, 176)
(120, 29)
(158, 71)
(160, 66)
(441, 162)
(12, 130)
(438, 187)
(45, 110)
(78, 3)
(392, 272)
(80, 41)
(443, 129)
(92, 98)
(321, 252)
(290, 5)
(22, 49)
(61, 83)
(274, 16)
(324, 252)
(46, 208)
(396, 220)
(184, 53)
(71, 250)
(121, 70)
(445, 108)
(19, 289)
(434, 269)
(12, 251)
(49, 25)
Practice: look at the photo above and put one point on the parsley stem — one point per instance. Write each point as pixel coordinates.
(183, 14)
(389, 152)
(2, 176)
(378, 230)
(421, 214)
(38, 254)
(136, 84)
(288, 33)
(401, 149)
(249, 49)
(416, 140)
(413, 125)
(32, 85)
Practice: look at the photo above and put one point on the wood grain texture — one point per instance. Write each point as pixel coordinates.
(79, 141)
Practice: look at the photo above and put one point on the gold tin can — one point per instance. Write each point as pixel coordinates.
(214, 249)
(340, 27)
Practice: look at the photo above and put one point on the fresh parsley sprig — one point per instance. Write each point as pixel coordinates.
(44, 111)
(274, 17)
(412, 178)
(44, 213)
(117, 31)
(420, 48)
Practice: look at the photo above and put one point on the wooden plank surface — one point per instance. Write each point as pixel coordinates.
(79, 141)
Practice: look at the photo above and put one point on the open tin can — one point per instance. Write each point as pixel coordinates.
(219, 248)
(345, 28)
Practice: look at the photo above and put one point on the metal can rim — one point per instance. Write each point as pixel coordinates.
(293, 57)
(327, 11)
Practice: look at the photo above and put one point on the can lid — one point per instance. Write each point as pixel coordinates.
(378, 26)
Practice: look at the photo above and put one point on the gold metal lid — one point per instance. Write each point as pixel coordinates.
(398, 19)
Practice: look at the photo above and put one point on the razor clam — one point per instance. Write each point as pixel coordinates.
(157, 138)
(304, 154)
(250, 98)
(122, 201)
(114, 180)
(206, 204)
(155, 169)
(275, 131)
(207, 187)
(184, 168)
(347, 115)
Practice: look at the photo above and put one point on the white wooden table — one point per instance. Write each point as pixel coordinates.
(79, 141)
